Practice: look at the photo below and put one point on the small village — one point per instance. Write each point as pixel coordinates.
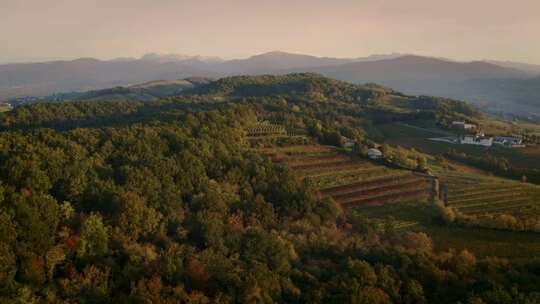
(469, 134)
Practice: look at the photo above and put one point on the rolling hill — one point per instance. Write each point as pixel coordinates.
(39, 79)
(510, 95)
(276, 62)
(144, 91)
(532, 69)
(416, 68)
(497, 87)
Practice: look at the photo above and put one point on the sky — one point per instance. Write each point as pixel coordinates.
(33, 30)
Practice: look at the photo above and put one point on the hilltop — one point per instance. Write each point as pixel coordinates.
(315, 88)
(374, 102)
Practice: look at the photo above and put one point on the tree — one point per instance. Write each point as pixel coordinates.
(464, 262)
(260, 247)
(446, 214)
(94, 238)
(332, 138)
(38, 217)
(327, 209)
(369, 295)
(93, 285)
(413, 293)
(136, 219)
(361, 149)
(362, 272)
(8, 268)
(53, 257)
(422, 163)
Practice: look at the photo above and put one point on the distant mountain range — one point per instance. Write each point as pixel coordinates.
(144, 91)
(533, 69)
(497, 86)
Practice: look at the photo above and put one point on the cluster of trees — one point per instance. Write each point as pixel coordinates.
(103, 214)
(447, 110)
(302, 85)
(533, 139)
(404, 158)
(50, 114)
(498, 165)
(500, 221)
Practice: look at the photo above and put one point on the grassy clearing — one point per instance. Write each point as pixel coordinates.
(402, 130)
(486, 242)
(416, 216)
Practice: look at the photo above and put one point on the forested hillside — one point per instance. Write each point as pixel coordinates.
(167, 201)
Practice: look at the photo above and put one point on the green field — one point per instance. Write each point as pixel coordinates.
(417, 216)
(402, 130)
(418, 138)
(478, 195)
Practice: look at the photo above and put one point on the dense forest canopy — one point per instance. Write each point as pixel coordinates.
(165, 202)
(294, 84)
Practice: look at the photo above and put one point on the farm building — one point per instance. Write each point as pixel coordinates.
(510, 141)
(463, 125)
(374, 153)
(480, 140)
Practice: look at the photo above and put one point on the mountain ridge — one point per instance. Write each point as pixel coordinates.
(412, 74)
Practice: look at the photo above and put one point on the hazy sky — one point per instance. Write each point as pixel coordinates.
(459, 29)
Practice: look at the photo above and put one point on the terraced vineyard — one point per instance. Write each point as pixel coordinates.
(480, 196)
(265, 129)
(378, 191)
(350, 181)
(396, 198)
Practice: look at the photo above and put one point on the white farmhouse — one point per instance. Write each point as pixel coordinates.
(374, 153)
(509, 141)
(479, 140)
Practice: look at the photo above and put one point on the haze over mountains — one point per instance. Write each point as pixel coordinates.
(500, 86)
(529, 68)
